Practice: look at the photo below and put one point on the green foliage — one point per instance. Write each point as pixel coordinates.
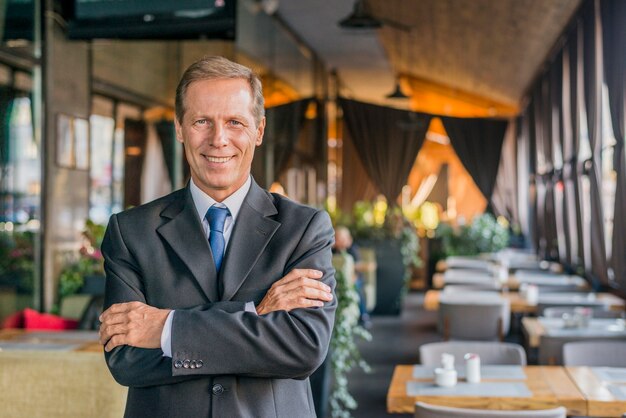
(344, 351)
(484, 235)
(17, 265)
(89, 261)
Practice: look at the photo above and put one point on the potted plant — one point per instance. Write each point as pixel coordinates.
(343, 352)
(86, 273)
(485, 234)
(17, 260)
(396, 244)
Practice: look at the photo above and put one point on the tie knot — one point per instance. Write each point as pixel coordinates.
(216, 217)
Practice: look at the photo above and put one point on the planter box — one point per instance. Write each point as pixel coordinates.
(390, 271)
(94, 285)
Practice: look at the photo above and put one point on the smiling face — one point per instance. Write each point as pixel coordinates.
(219, 134)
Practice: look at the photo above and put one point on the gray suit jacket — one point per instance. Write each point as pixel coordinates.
(226, 362)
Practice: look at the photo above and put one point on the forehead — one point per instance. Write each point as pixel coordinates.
(225, 95)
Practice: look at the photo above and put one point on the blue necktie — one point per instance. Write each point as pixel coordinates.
(216, 217)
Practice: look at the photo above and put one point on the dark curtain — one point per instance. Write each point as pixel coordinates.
(167, 135)
(135, 138)
(593, 105)
(573, 170)
(282, 131)
(614, 51)
(556, 135)
(478, 143)
(387, 140)
(504, 199)
(536, 147)
(355, 182)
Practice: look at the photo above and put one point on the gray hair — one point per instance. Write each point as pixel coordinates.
(215, 68)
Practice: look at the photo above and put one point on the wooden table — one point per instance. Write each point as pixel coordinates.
(520, 305)
(83, 340)
(600, 400)
(551, 386)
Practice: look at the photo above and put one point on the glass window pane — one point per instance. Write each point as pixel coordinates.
(101, 199)
(20, 186)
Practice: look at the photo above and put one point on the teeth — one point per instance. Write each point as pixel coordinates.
(218, 159)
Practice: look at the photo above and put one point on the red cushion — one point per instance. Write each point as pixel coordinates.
(37, 320)
(15, 320)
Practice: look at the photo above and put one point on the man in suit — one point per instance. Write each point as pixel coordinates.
(225, 319)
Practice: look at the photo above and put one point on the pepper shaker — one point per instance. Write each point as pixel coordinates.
(472, 368)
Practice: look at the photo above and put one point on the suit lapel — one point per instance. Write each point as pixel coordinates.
(184, 233)
(253, 230)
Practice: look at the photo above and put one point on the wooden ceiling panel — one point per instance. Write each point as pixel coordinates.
(489, 48)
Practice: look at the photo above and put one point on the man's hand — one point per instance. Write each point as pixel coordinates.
(133, 323)
(300, 288)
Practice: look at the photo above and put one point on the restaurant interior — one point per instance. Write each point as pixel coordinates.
(474, 150)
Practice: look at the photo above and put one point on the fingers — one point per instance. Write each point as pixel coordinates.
(303, 282)
(296, 274)
(132, 323)
(300, 288)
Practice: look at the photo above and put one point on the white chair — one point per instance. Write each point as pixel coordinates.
(595, 353)
(490, 352)
(459, 288)
(551, 347)
(483, 318)
(424, 410)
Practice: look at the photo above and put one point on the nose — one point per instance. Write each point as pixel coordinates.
(219, 137)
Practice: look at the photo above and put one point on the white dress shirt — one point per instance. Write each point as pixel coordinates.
(203, 202)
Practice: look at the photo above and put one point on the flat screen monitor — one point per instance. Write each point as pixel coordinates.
(152, 19)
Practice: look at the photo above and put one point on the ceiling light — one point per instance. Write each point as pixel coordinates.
(397, 93)
(360, 18)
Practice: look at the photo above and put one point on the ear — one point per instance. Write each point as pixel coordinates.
(260, 130)
(179, 131)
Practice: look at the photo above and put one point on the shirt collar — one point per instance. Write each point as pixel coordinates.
(233, 202)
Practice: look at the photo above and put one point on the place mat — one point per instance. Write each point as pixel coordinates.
(491, 389)
(569, 298)
(610, 374)
(487, 372)
(467, 274)
(14, 346)
(549, 280)
(475, 263)
(618, 391)
(598, 327)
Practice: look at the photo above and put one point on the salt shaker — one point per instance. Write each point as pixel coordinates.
(472, 368)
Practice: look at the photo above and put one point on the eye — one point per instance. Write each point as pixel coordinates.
(235, 123)
(200, 122)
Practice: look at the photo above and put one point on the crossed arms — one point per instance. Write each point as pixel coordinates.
(286, 338)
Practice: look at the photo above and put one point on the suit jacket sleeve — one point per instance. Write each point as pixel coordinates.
(278, 345)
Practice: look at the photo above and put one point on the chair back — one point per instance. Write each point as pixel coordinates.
(490, 352)
(482, 318)
(595, 353)
(551, 347)
(478, 287)
(424, 410)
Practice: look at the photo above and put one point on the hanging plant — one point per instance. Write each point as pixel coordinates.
(345, 354)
